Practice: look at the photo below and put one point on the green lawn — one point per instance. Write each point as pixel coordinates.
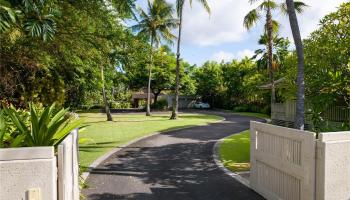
(234, 152)
(251, 114)
(126, 127)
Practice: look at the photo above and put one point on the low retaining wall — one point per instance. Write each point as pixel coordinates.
(294, 165)
(32, 173)
(28, 173)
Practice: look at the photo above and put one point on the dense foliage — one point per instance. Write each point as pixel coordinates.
(233, 85)
(60, 60)
(327, 62)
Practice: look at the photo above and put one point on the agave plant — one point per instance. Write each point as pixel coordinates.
(2, 129)
(46, 128)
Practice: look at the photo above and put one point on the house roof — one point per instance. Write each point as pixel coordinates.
(141, 95)
(278, 83)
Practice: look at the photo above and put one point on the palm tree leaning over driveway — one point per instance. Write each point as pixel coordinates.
(156, 24)
(271, 26)
(179, 10)
(300, 105)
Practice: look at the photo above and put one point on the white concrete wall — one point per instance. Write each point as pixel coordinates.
(282, 162)
(68, 168)
(28, 172)
(333, 166)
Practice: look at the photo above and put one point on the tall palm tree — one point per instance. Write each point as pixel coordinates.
(156, 24)
(300, 104)
(179, 10)
(271, 26)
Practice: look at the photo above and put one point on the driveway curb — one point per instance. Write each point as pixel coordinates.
(216, 156)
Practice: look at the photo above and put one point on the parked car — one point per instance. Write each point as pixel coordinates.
(201, 105)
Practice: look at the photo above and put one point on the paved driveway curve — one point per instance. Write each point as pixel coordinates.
(176, 165)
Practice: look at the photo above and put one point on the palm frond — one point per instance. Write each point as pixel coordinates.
(268, 5)
(205, 4)
(251, 19)
(298, 5)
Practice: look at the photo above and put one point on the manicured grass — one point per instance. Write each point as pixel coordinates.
(127, 127)
(251, 114)
(234, 152)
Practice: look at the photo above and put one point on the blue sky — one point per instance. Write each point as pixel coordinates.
(222, 35)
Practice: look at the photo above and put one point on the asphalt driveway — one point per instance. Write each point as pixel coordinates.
(176, 165)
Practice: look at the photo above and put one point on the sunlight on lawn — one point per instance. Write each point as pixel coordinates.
(127, 127)
(234, 152)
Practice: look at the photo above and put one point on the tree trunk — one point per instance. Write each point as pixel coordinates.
(148, 108)
(156, 94)
(269, 29)
(177, 86)
(299, 122)
(108, 111)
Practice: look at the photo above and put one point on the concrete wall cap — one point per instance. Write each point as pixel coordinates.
(26, 153)
(334, 136)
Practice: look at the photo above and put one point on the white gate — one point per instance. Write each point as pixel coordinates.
(282, 162)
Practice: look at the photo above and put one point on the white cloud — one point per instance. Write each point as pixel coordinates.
(222, 56)
(309, 20)
(228, 56)
(225, 25)
(245, 53)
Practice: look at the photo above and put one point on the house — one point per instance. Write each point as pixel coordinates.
(139, 99)
(184, 101)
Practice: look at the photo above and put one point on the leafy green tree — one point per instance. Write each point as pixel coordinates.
(327, 58)
(209, 80)
(179, 9)
(164, 72)
(53, 71)
(156, 24)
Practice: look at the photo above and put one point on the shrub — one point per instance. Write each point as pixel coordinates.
(46, 127)
(120, 104)
(161, 104)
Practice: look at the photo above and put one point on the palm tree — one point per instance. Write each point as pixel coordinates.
(300, 107)
(271, 26)
(179, 10)
(156, 24)
(261, 55)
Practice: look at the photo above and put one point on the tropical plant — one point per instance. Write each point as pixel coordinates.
(2, 129)
(46, 128)
(156, 25)
(327, 63)
(179, 10)
(8, 17)
(271, 26)
(281, 51)
(36, 18)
